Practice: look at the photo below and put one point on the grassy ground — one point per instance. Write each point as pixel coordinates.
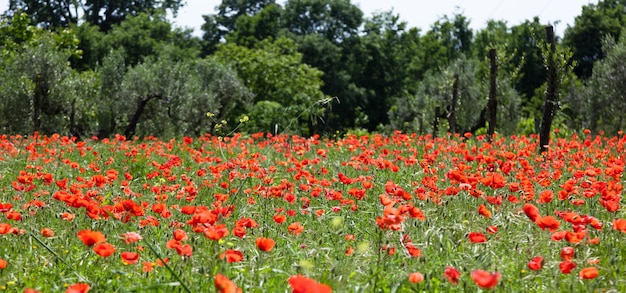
(359, 214)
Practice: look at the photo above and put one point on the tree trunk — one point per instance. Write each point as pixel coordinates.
(436, 122)
(455, 98)
(550, 105)
(132, 125)
(492, 105)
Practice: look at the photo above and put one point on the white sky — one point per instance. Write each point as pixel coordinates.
(423, 14)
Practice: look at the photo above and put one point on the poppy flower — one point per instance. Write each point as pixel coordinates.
(531, 211)
(224, 285)
(536, 263)
(566, 266)
(78, 288)
(104, 249)
(232, 255)
(484, 211)
(302, 284)
(588, 273)
(620, 225)
(279, 219)
(131, 237)
(477, 237)
(91, 237)
(216, 232)
(180, 235)
(147, 266)
(4, 228)
(265, 244)
(295, 228)
(452, 275)
(130, 257)
(31, 290)
(416, 277)
(567, 253)
(548, 222)
(484, 279)
(3, 264)
(47, 232)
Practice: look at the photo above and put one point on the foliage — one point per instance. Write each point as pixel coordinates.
(273, 71)
(585, 37)
(604, 93)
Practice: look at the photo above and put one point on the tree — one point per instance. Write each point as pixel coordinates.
(226, 20)
(604, 95)
(104, 14)
(585, 38)
(327, 34)
(273, 71)
(446, 40)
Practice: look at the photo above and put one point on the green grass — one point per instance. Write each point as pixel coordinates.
(256, 178)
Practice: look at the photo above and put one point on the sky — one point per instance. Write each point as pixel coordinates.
(422, 14)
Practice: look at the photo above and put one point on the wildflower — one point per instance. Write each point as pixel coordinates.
(477, 237)
(452, 275)
(225, 285)
(104, 249)
(47, 232)
(216, 232)
(416, 277)
(265, 244)
(3, 264)
(484, 211)
(567, 253)
(4, 228)
(295, 228)
(78, 288)
(232, 255)
(588, 273)
(566, 266)
(147, 266)
(130, 257)
(131, 237)
(180, 235)
(620, 225)
(302, 284)
(536, 263)
(91, 237)
(548, 222)
(484, 279)
(531, 211)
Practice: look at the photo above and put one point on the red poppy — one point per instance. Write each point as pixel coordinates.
(91, 237)
(302, 284)
(477, 237)
(31, 290)
(484, 279)
(548, 222)
(232, 255)
(4, 228)
(484, 211)
(279, 219)
(104, 249)
(452, 275)
(566, 266)
(265, 244)
(131, 237)
(180, 235)
(588, 273)
(216, 232)
(78, 288)
(531, 211)
(295, 228)
(225, 285)
(47, 232)
(3, 264)
(416, 277)
(620, 225)
(567, 253)
(536, 263)
(130, 257)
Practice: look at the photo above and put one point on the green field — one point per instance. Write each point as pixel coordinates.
(400, 213)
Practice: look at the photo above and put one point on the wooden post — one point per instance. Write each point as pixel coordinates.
(492, 104)
(455, 98)
(436, 122)
(550, 105)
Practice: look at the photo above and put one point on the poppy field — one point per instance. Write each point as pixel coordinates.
(265, 213)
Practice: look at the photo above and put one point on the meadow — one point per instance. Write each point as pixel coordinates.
(265, 213)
